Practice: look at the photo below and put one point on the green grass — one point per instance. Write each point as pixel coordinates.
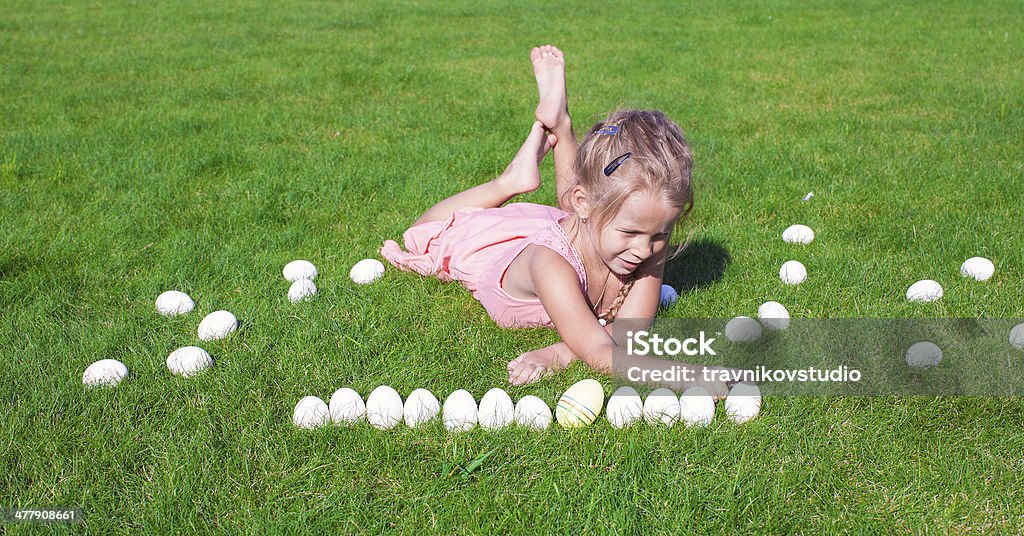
(202, 145)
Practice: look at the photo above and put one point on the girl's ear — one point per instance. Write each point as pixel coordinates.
(579, 202)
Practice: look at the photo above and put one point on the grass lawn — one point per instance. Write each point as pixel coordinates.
(200, 146)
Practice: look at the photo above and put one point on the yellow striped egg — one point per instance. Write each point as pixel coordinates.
(580, 404)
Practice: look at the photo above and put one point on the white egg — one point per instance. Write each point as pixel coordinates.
(366, 271)
(173, 303)
(669, 296)
(496, 410)
(743, 329)
(217, 325)
(301, 290)
(296, 270)
(1017, 337)
(924, 355)
(580, 404)
(460, 411)
(925, 290)
(743, 402)
(188, 360)
(793, 273)
(420, 407)
(773, 316)
(624, 407)
(798, 234)
(979, 268)
(532, 412)
(346, 406)
(104, 373)
(696, 407)
(661, 406)
(384, 408)
(310, 412)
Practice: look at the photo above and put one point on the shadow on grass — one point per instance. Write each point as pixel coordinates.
(699, 265)
(14, 266)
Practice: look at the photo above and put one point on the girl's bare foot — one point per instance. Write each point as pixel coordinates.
(523, 173)
(549, 69)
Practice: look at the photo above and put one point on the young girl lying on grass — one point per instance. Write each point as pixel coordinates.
(600, 255)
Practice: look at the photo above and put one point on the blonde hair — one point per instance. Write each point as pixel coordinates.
(659, 165)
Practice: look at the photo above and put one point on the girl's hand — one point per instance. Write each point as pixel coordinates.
(530, 366)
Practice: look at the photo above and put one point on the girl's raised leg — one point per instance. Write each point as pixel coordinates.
(553, 112)
(522, 175)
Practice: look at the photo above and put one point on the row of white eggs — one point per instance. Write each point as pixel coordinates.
(926, 290)
(775, 317)
(299, 272)
(695, 407)
(794, 272)
(772, 315)
(216, 325)
(384, 409)
(579, 406)
(926, 354)
(362, 272)
(185, 361)
(923, 354)
(188, 360)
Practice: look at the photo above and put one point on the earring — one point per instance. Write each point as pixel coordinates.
(583, 219)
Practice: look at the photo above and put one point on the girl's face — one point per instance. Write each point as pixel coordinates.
(640, 230)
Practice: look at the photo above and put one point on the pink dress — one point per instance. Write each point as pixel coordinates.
(475, 247)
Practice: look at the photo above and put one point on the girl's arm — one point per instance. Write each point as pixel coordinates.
(557, 285)
(583, 337)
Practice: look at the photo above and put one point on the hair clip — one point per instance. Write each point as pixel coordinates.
(609, 130)
(611, 167)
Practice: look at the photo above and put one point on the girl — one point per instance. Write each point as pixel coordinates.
(600, 254)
